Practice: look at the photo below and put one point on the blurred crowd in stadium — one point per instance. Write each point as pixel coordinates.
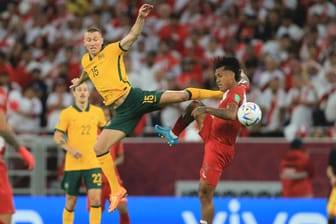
(288, 47)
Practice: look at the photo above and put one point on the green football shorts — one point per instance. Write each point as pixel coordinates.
(72, 180)
(137, 103)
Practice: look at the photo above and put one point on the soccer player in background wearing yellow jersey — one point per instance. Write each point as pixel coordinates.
(331, 174)
(76, 133)
(104, 66)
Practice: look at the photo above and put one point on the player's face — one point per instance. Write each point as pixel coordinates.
(81, 94)
(224, 79)
(93, 41)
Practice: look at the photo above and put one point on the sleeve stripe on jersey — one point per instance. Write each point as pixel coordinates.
(60, 131)
(122, 48)
(119, 72)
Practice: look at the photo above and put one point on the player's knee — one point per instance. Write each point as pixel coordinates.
(71, 203)
(195, 103)
(205, 192)
(95, 201)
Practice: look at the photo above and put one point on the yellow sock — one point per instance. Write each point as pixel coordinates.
(200, 94)
(107, 166)
(95, 214)
(68, 217)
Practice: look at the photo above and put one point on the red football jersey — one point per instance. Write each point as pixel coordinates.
(226, 131)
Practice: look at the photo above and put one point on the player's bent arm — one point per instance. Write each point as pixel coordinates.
(7, 133)
(59, 139)
(127, 42)
(82, 78)
(228, 113)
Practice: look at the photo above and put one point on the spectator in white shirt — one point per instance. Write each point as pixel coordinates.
(57, 100)
(25, 119)
(301, 100)
(273, 104)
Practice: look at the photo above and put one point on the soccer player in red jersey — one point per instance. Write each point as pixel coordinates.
(218, 127)
(296, 172)
(6, 194)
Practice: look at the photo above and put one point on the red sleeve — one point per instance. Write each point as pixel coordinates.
(236, 95)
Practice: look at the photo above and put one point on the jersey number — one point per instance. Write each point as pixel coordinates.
(86, 129)
(96, 177)
(95, 71)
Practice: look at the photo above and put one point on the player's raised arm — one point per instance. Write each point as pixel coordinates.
(228, 113)
(136, 29)
(59, 139)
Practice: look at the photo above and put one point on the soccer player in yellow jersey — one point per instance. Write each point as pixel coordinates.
(76, 132)
(331, 174)
(104, 66)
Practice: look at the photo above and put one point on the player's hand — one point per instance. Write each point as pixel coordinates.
(75, 82)
(27, 157)
(75, 153)
(145, 9)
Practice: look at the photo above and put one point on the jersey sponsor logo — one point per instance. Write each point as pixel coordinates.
(235, 213)
(149, 99)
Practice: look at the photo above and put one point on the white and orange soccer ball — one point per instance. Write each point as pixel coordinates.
(249, 114)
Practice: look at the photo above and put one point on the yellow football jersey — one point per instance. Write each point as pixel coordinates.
(81, 129)
(107, 72)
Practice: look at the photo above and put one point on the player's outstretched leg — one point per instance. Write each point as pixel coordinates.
(167, 133)
(116, 197)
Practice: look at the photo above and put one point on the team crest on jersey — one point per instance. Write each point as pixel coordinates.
(101, 56)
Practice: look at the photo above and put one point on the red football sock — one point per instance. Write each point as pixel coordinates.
(179, 126)
(124, 218)
(185, 119)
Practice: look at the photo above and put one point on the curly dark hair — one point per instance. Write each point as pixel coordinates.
(229, 63)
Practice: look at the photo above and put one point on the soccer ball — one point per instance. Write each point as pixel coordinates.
(249, 114)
